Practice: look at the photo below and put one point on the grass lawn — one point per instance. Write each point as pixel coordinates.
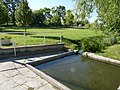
(112, 52)
(51, 38)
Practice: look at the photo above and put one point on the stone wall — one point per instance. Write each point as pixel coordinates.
(34, 49)
(101, 58)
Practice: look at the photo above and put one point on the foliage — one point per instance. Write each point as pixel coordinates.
(108, 13)
(110, 41)
(55, 20)
(94, 25)
(38, 17)
(118, 39)
(19, 13)
(23, 13)
(83, 9)
(93, 44)
(47, 15)
(2, 13)
(87, 26)
(58, 12)
(69, 18)
(97, 43)
(11, 6)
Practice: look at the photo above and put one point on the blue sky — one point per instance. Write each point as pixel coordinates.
(37, 4)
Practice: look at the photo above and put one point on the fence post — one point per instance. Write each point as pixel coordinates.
(14, 46)
(24, 39)
(60, 38)
(44, 39)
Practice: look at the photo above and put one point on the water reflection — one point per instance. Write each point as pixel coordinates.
(83, 74)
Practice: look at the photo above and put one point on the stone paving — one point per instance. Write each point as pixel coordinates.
(15, 76)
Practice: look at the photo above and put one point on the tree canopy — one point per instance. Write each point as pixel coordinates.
(38, 17)
(11, 6)
(69, 18)
(2, 13)
(23, 13)
(108, 12)
(58, 13)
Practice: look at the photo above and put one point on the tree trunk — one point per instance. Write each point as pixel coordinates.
(25, 31)
(0, 28)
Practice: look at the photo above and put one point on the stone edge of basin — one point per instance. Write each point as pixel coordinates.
(55, 83)
(101, 58)
(118, 88)
(48, 59)
(49, 79)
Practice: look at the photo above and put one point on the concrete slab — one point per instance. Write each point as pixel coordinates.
(14, 76)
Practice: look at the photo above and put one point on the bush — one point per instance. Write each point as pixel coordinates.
(110, 41)
(118, 39)
(93, 44)
(97, 43)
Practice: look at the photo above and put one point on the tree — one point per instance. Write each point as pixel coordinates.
(83, 9)
(69, 18)
(11, 6)
(59, 12)
(109, 15)
(2, 13)
(24, 14)
(47, 14)
(38, 17)
(108, 12)
(55, 20)
(7, 11)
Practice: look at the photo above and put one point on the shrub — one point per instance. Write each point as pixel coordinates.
(118, 39)
(110, 41)
(93, 44)
(97, 43)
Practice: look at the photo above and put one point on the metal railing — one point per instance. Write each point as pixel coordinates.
(14, 45)
(25, 34)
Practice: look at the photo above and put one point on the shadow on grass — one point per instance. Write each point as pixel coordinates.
(69, 41)
(103, 50)
(23, 28)
(50, 37)
(15, 32)
(15, 28)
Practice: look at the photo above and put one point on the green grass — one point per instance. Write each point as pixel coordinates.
(51, 38)
(112, 52)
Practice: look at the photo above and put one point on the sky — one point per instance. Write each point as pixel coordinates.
(37, 4)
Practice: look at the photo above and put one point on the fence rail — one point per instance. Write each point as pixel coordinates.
(14, 45)
(25, 34)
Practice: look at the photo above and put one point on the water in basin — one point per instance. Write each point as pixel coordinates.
(82, 73)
